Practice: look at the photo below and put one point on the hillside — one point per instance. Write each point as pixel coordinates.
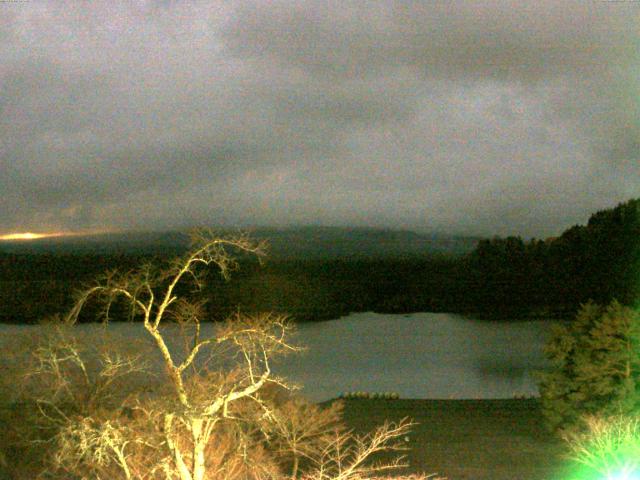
(292, 242)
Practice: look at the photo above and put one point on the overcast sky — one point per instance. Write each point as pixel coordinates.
(477, 117)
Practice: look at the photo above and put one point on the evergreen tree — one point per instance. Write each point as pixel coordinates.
(595, 366)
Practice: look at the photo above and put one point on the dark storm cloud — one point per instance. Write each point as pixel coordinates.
(497, 38)
(480, 117)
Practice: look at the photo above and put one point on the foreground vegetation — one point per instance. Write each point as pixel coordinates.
(94, 407)
(595, 366)
(591, 395)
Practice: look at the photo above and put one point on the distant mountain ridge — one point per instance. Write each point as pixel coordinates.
(287, 242)
(360, 242)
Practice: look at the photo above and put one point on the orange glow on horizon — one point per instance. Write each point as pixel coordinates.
(26, 236)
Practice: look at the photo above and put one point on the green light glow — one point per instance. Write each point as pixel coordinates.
(626, 476)
(609, 449)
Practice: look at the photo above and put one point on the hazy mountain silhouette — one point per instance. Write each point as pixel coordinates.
(289, 242)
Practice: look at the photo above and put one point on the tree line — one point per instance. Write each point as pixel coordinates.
(599, 261)
(501, 278)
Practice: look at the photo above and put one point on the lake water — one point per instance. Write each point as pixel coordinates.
(421, 355)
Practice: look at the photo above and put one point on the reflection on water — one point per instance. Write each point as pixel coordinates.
(423, 355)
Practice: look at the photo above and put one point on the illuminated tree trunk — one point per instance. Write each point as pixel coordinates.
(181, 466)
(199, 444)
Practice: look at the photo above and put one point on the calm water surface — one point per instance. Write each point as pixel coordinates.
(422, 355)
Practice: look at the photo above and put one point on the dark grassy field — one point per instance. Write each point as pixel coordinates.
(470, 439)
(463, 439)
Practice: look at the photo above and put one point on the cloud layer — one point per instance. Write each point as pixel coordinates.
(485, 117)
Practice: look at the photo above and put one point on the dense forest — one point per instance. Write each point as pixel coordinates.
(500, 278)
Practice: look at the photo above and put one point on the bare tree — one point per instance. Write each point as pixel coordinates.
(211, 415)
(346, 456)
(302, 430)
(153, 295)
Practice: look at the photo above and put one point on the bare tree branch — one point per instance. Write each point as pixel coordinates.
(102, 433)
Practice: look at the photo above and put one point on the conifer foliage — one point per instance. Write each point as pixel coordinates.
(595, 366)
